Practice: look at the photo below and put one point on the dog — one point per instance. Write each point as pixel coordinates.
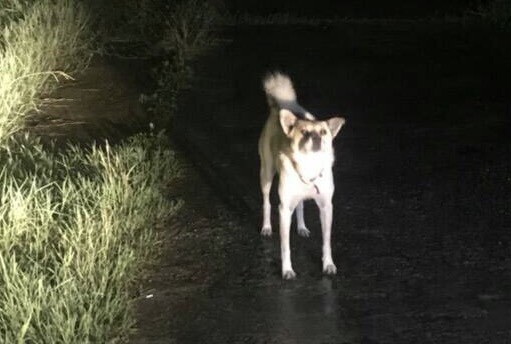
(298, 147)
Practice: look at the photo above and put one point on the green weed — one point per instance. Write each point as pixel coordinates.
(75, 228)
(47, 42)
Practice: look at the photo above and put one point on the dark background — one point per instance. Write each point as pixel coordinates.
(354, 8)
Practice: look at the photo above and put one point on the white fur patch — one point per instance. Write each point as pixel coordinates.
(279, 87)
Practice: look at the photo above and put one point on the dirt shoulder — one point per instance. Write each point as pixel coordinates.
(101, 103)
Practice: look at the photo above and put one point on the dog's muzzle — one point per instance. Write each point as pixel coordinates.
(315, 140)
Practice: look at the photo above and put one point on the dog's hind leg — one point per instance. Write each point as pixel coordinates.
(300, 222)
(266, 174)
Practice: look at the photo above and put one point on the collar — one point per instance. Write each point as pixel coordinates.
(310, 181)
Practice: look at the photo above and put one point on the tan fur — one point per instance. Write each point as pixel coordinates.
(300, 151)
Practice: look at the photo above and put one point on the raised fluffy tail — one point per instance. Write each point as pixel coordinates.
(279, 89)
(281, 95)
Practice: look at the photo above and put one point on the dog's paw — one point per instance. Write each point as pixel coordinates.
(288, 274)
(266, 231)
(304, 232)
(330, 269)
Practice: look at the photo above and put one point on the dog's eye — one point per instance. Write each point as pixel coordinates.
(322, 132)
(305, 132)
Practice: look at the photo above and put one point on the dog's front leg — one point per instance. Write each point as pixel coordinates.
(325, 213)
(285, 211)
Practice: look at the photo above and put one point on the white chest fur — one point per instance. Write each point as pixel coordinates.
(307, 177)
(311, 166)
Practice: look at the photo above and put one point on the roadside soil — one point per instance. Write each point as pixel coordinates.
(101, 103)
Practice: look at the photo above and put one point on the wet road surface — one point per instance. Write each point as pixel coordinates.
(421, 233)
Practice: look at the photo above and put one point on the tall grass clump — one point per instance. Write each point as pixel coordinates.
(188, 29)
(12, 10)
(187, 32)
(75, 228)
(40, 41)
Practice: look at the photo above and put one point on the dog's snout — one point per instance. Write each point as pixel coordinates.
(311, 139)
(316, 141)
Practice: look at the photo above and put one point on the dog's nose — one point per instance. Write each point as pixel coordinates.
(316, 141)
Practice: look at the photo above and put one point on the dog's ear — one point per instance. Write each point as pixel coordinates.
(287, 120)
(335, 124)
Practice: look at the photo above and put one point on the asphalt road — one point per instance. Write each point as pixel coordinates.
(421, 233)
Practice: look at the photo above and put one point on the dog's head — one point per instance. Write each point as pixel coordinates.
(309, 135)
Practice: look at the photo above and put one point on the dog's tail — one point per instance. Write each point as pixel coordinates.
(279, 90)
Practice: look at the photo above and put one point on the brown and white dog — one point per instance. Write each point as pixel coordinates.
(298, 147)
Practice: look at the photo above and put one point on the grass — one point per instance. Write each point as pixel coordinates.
(47, 42)
(187, 29)
(75, 227)
(76, 224)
